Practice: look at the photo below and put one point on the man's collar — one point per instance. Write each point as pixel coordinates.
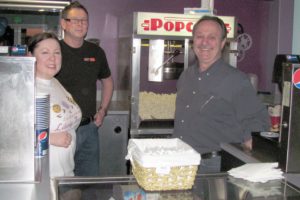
(211, 69)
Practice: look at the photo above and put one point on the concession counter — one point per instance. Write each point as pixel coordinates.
(207, 187)
(217, 186)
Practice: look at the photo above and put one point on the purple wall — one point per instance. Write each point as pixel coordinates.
(269, 23)
(247, 15)
(104, 17)
(259, 18)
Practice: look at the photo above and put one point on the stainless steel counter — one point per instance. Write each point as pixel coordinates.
(264, 150)
(33, 191)
(207, 187)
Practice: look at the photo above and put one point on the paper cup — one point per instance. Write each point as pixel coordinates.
(275, 115)
(42, 118)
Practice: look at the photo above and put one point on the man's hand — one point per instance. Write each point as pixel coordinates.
(99, 117)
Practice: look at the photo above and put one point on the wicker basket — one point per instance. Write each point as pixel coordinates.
(163, 172)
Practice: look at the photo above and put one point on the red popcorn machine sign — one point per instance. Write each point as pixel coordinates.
(169, 24)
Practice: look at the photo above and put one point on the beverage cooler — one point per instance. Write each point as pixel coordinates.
(155, 48)
(22, 175)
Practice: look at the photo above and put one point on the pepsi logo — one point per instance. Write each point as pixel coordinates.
(296, 78)
(42, 136)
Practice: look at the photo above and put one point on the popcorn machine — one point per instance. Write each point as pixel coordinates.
(157, 47)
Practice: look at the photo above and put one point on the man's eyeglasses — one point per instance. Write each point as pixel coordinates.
(77, 21)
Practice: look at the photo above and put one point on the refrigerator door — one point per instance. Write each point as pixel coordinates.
(17, 119)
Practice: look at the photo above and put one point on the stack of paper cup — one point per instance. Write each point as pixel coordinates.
(42, 115)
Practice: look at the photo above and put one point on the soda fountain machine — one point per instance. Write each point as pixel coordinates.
(287, 74)
(155, 48)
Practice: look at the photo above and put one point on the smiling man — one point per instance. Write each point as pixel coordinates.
(83, 64)
(216, 102)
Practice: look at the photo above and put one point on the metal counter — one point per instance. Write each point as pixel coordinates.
(206, 187)
(264, 150)
(113, 138)
(22, 175)
(39, 190)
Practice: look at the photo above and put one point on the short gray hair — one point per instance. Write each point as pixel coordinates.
(73, 5)
(215, 19)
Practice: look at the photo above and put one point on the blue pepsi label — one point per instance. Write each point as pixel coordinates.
(18, 50)
(42, 138)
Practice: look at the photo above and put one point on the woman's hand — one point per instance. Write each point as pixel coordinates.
(60, 139)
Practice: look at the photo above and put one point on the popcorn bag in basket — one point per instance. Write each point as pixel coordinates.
(163, 164)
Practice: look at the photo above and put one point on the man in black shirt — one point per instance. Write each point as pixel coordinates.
(83, 64)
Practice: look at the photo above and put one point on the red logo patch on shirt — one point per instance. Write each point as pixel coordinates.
(92, 59)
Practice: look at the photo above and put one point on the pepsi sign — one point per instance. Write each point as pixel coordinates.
(296, 78)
